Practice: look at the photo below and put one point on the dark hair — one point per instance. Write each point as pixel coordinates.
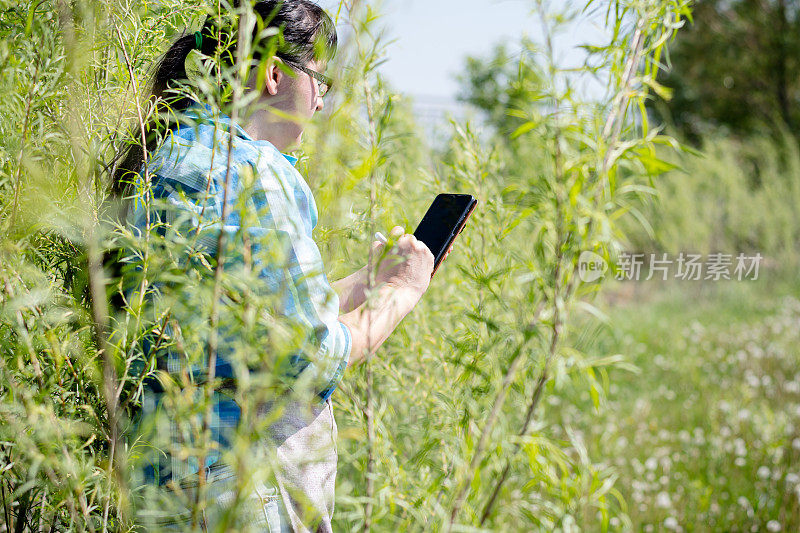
(306, 32)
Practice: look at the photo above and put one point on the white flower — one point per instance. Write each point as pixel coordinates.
(671, 523)
(741, 448)
(763, 472)
(744, 502)
(773, 525)
(663, 500)
(751, 379)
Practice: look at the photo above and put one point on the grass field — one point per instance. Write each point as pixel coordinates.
(706, 434)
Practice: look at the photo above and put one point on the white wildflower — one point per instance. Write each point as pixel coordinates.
(744, 502)
(663, 500)
(774, 525)
(741, 448)
(751, 379)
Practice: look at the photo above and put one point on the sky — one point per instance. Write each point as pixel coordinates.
(433, 37)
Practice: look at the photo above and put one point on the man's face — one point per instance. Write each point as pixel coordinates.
(294, 103)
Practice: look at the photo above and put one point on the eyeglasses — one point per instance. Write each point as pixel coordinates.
(324, 83)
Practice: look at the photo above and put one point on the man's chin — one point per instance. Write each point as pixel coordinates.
(295, 144)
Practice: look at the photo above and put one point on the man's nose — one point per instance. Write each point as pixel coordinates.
(320, 103)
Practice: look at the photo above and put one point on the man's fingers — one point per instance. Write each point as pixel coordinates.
(396, 232)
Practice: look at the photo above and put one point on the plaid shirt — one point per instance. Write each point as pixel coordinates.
(285, 207)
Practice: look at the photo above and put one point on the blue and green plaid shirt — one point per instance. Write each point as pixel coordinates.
(180, 172)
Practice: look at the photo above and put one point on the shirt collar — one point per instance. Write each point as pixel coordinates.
(225, 119)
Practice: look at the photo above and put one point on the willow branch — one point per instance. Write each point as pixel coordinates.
(213, 339)
(477, 456)
(369, 407)
(611, 132)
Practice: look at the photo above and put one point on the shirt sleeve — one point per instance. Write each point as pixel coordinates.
(286, 210)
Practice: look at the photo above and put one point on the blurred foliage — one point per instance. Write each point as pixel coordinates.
(737, 66)
(503, 82)
(732, 195)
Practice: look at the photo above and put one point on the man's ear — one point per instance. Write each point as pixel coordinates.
(273, 76)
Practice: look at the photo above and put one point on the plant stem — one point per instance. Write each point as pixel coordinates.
(369, 407)
(99, 307)
(558, 308)
(613, 125)
(18, 177)
(611, 131)
(477, 455)
(535, 397)
(5, 504)
(213, 339)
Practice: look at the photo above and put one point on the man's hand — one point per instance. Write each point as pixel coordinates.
(407, 264)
